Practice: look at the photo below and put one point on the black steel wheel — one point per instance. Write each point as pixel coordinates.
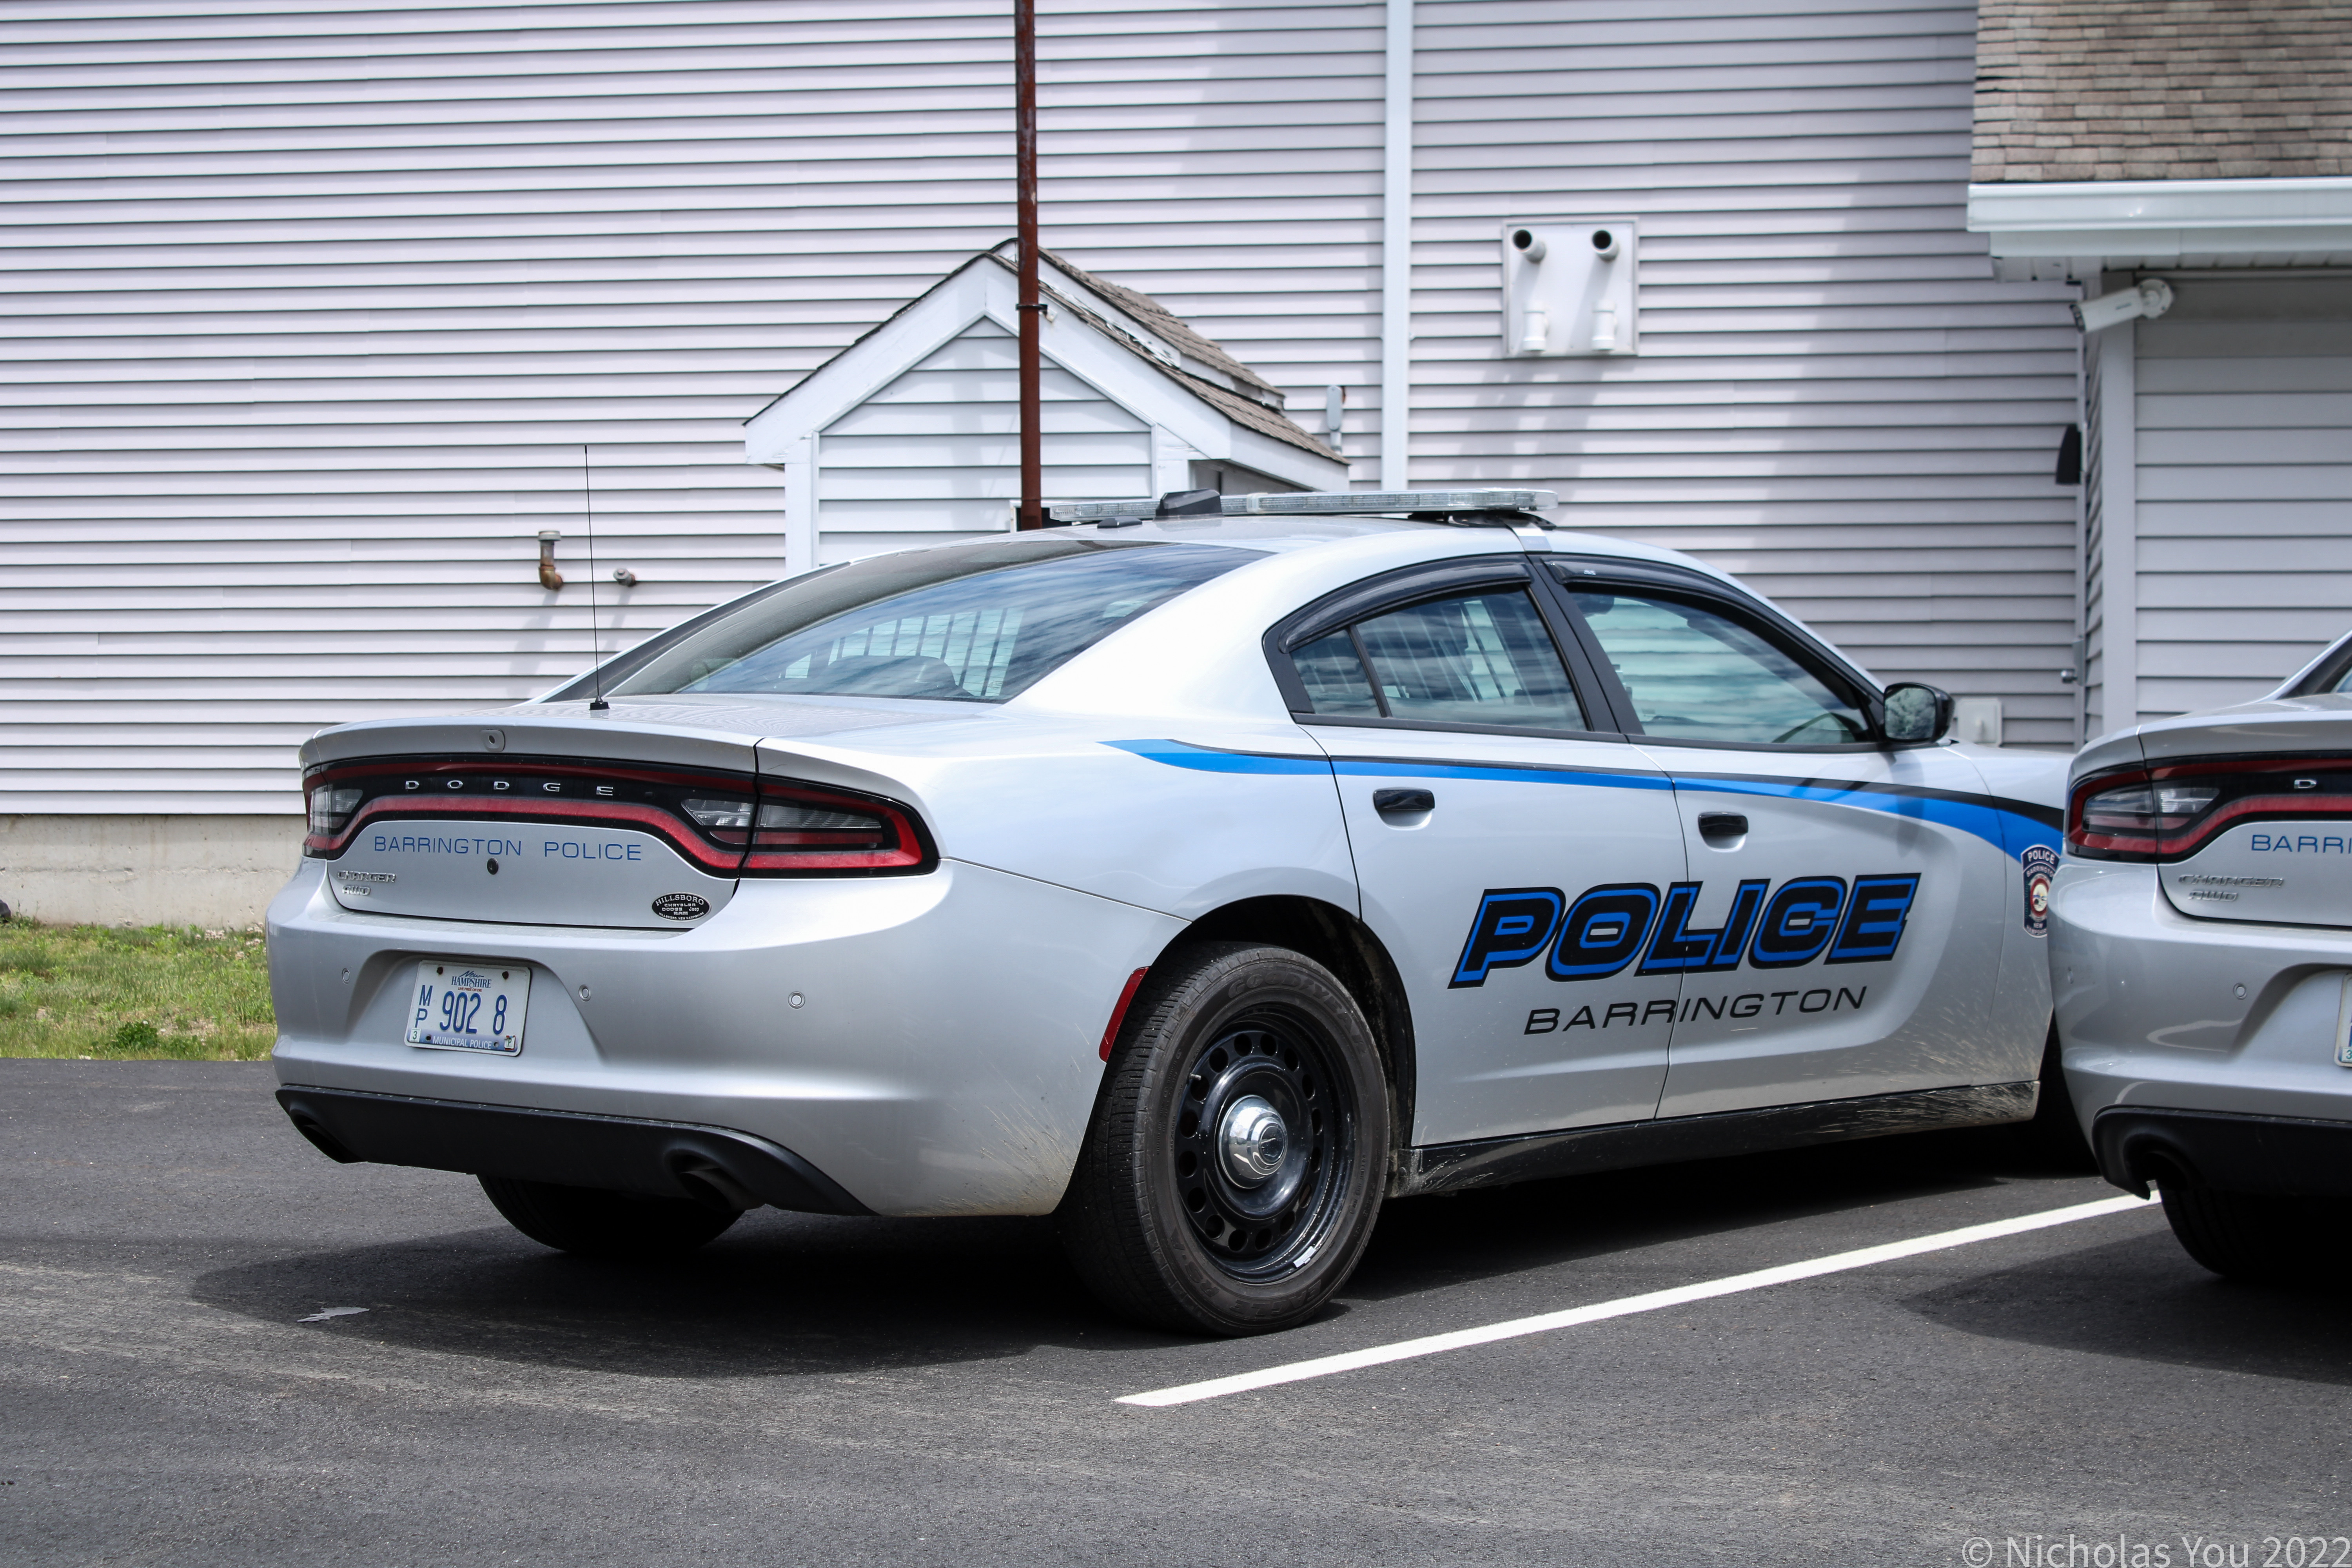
(1239, 1150)
(1261, 1146)
(598, 1224)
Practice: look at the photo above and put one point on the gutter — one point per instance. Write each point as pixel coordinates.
(2160, 221)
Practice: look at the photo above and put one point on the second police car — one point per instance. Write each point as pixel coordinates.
(2201, 945)
(1203, 872)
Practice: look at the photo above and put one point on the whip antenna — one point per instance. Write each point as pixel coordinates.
(596, 633)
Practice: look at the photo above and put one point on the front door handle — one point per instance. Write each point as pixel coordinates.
(1389, 802)
(1715, 825)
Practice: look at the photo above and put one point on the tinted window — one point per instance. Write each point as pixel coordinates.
(1696, 675)
(1333, 673)
(1481, 658)
(971, 623)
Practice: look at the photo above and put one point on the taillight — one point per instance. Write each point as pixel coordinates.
(2171, 811)
(729, 821)
(726, 825)
(331, 807)
(804, 831)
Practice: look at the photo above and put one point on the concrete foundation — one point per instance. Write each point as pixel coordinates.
(219, 872)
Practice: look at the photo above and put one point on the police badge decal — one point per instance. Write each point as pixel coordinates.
(2041, 861)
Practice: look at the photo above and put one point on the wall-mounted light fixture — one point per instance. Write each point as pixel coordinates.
(625, 577)
(549, 577)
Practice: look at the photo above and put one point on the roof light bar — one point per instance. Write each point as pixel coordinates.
(1328, 503)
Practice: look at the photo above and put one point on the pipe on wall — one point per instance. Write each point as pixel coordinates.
(1396, 253)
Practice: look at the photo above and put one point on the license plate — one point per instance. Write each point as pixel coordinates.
(460, 1007)
(2344, 1025)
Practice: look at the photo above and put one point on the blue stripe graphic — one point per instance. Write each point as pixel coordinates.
(2009, 831)
(2012, 831)
(1202, 760)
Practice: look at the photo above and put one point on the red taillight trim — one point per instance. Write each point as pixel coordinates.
(662, 823)
(2155, 846)
(1118, 1013)
(900, 845)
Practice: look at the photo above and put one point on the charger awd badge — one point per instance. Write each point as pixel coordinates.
(2040, 863)
(681, 906)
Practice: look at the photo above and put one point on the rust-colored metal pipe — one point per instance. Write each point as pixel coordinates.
(1032, 511)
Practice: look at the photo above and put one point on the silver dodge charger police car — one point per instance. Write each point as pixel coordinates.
(1202, 872)
(2201, 944)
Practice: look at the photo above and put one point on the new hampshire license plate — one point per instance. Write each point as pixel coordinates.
(462, 1006)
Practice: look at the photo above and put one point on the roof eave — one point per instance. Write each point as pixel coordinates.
(2073, 229)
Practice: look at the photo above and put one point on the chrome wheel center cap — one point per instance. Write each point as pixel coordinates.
(1252, 1141)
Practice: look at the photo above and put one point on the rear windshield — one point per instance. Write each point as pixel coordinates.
(968, 622)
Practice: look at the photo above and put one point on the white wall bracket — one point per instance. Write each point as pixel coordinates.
(1569, 289)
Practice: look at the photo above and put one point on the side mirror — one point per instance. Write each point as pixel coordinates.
(1916, 712)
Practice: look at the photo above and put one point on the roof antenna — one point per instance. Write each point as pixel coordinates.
(596, 643)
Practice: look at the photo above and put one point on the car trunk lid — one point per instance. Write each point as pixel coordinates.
(641, 816)
(2271, 837)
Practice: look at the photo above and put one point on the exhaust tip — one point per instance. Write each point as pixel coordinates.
(321, 1139)
(711, 1184)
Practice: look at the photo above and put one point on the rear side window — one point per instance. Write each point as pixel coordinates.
(1696, 675)
(971, 623)
(1483, 659)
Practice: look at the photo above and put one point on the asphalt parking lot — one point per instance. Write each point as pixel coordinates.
(818, 1390)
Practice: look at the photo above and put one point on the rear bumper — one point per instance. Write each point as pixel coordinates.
(2163, 1013)
(717, 1165)
(2280, 1155)
(927, 1043)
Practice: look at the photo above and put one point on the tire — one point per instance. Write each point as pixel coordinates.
(597, 1223)
(1187, 1211)
(2253, 1236)
(2054, 1136)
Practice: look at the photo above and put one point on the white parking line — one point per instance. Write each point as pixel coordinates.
(1625, 1306)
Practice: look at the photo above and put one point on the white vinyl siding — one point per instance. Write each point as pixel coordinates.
(310, 309)
(936, 455)
(2245, 504)
(1834, 398)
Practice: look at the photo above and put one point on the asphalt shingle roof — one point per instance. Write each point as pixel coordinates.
(1152, 314)
(2162, 90)
(1159, 319)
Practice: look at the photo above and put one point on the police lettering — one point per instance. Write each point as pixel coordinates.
(1600, 932)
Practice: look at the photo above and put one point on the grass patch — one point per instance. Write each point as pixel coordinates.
(161, 993)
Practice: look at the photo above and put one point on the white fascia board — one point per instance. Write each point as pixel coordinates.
(1160, 400)
(1255, 450)
(1054, 277)
(2154, 219)
(775, 435)
(868, 366)
(1111, 368)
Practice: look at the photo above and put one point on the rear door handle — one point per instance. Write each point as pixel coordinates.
(1386, 800)
(1715, 825)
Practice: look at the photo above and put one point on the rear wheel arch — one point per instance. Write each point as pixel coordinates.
(1346, 947)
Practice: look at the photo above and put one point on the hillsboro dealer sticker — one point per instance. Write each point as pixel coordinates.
(2041, 864)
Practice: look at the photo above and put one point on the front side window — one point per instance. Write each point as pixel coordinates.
(970, 623)
(1696, 675)
(1482, 658)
